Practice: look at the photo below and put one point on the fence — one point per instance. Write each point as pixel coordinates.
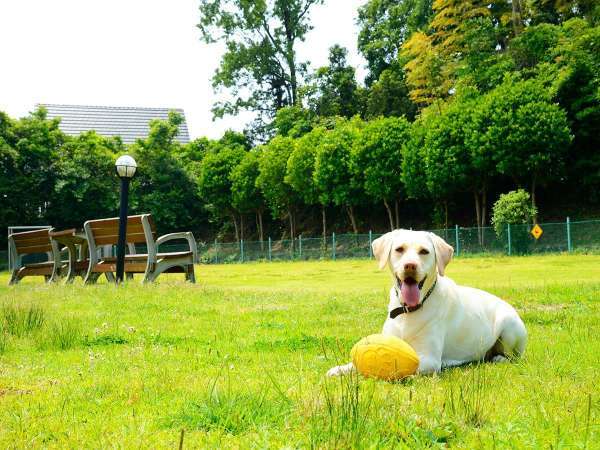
(565, 236)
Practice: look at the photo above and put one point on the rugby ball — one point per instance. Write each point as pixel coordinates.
(384, 357)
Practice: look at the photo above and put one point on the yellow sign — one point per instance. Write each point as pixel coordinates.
(536, 231)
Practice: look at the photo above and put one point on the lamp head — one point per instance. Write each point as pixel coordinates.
(126, 166)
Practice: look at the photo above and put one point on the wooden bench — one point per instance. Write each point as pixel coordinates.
(30, 243)
(140, 230)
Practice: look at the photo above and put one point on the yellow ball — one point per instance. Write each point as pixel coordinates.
(384, 357)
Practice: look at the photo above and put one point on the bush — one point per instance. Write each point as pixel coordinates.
(514, 208)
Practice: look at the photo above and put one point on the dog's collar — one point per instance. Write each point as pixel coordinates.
(406, 309)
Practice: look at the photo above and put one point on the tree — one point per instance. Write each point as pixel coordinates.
(333, 175)
(378, 160)
(86, 186)
(527, 135)
(293, 121)
(272, 165)
(388, 96)
(31, 146)
(412, 171)
(162, 186)
(384, 27)
(214, 182)
(301, 168)
(260, 65)
(337, 93)
(245, 195)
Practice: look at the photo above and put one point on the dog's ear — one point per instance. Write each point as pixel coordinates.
(382, 247)
(443, 252)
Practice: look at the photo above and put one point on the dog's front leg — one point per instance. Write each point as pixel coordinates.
(429, 365)
(341, 370)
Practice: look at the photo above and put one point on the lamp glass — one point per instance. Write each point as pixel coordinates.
(126, 166)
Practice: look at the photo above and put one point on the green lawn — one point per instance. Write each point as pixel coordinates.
(238, 361)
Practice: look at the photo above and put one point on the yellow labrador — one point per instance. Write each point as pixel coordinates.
(447, 325)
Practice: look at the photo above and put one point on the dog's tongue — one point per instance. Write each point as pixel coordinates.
(410, 293)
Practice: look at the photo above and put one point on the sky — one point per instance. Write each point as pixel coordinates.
(145, 53)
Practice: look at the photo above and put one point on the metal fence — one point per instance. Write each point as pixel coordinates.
(567, 236)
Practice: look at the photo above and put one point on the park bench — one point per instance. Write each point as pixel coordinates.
(140, 230)
(30, 243)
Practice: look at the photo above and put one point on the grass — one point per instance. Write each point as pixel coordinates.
(238, 361)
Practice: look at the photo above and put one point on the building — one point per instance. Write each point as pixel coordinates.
(130, 123)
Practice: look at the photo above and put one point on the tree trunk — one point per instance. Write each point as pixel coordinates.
(235, 225)
(483, 213)
(397, 210)
(478, 214)
(389, 211)
(446, 214)
(516, 16)
(291, 217)
(324, 219)
(350, 210)
(261, 235)
(241, 226)
(533, 203)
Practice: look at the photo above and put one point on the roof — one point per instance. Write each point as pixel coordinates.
(130, 123)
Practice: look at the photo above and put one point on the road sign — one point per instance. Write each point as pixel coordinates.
(536, 231)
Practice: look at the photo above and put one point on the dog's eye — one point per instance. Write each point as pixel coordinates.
(423, 251)
(400, 249)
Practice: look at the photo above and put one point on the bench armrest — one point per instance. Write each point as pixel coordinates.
(184, 235)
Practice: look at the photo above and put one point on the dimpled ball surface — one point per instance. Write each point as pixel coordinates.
(384, 357)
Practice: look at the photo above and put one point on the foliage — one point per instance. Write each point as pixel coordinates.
(337, 93)
(85, 185)
(513, 208)
(272, 171)
(260, 66)
(377, 159)
(301, 166)
(161, 186)
(293, 121)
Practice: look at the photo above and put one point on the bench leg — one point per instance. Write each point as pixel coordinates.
(14, 278)
(110, 277)
(189, 274)
(91, 278)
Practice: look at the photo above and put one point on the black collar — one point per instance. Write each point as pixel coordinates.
(406, 309)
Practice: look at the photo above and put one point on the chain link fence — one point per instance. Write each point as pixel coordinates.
(568, 236)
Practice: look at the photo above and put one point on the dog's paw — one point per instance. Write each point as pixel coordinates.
(499, 359)
(340, 370)
(335, 371)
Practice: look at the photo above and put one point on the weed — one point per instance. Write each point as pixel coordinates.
(22, 320)
(61, 335)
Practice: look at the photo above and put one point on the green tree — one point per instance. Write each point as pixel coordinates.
(333, 175)
(301, 168)
(293, 121)
(337, 92)
(246, 197)
(280, 196)
(378, 160)
(527, 135)
(412, 171)
(86, 186)
(162, 186)
(260, 66)
(384, 27)
(31, 146)
(389, 95)
(213, 178)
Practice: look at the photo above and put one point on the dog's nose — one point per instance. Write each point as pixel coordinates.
(410, 267)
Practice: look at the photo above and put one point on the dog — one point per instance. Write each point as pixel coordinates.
(447, 325)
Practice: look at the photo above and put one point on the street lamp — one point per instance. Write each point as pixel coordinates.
(126, 167)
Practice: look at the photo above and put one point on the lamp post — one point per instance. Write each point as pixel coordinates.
(126, 167)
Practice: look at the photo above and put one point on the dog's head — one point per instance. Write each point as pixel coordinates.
(413, 258)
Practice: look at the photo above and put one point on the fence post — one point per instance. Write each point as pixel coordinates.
(216, 252)
(269, 248)
(300, 246)
(457, 246)
(509, 240)
(370, 244)
(242, 249)
(569, 243)
(333, 245)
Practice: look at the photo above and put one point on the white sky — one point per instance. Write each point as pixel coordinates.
(133, 53)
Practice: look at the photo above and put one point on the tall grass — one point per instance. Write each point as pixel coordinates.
(60, 335)
(22, 320)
